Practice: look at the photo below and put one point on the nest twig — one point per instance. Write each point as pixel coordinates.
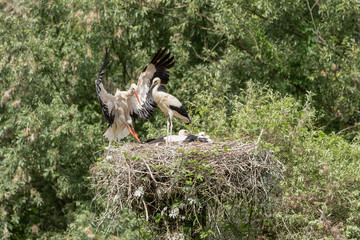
(191, 183)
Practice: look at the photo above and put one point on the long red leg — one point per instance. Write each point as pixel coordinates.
(135, 136)
(130, 131)
(133, 130)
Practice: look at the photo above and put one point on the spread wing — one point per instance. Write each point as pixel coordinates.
(158, 67)
(106, 100)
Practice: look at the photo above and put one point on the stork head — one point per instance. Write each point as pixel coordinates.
(133, 89)
(156, 81)
(201, 134)
(183, 133)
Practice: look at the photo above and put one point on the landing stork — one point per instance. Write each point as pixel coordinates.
(169, 104)
(138, 101)
(115, 108)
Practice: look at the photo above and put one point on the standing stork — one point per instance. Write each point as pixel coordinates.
(170, 105)
(119, 109)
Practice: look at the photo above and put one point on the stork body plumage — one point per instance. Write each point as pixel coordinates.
(183, 134)
(201, 137)
(115, 109)
(119, 109)
(122, 119)
(170, 105)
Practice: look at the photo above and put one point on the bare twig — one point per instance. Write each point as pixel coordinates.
(146, 210)
(316, 30)
(148, 168)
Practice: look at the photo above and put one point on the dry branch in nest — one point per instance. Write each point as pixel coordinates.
(193, 185)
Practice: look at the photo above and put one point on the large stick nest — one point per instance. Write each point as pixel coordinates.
(173, 183)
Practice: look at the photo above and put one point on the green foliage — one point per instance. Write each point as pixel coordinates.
(85, 226)
(321, 169)
(45, 170)
(51, 125)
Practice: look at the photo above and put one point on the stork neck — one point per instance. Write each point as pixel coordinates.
(128, 94)
(156, 87)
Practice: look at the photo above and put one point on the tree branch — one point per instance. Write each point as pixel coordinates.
(277, 25)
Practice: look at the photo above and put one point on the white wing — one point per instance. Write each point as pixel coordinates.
(116, 131)
(106, 99)
(156, 68)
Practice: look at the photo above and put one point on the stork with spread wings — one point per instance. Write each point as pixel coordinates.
(119, 109)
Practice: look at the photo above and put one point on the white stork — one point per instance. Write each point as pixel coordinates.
(115, 109)
(183, 134)
(119, 109)
(201, 137)
(169, 104)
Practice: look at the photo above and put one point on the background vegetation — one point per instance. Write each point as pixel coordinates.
(285, 73)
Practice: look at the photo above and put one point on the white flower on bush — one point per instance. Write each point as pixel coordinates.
(174, 212)
(116, 197)
(192, 201)
(139, 192)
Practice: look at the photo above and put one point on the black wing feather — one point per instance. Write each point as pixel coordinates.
(162, 60)
(156, 140)
(108, 115)
(162, 63)
(194, 138)
(148, 106)
(181, 110)
(191, 138)
(158, 55)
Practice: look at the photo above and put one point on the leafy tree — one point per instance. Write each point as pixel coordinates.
(51, 123)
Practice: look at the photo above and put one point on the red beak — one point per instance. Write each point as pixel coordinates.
(137, 96)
